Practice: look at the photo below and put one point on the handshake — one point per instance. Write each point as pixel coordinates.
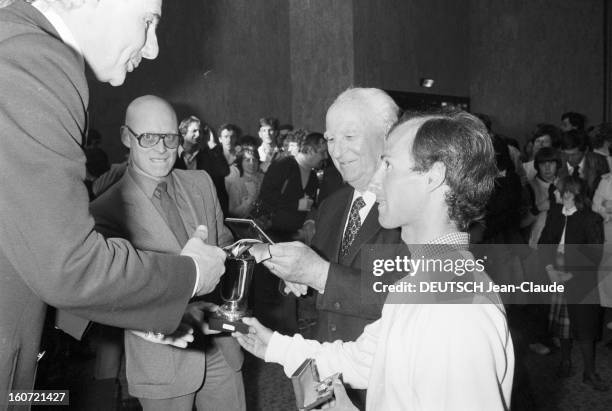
(209, 259)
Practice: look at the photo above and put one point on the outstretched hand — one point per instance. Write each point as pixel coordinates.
(180, 338)
(256, 341)
(298, 263)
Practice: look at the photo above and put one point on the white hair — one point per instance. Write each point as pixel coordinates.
(381, 106)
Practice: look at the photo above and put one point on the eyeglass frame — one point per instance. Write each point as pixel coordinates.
(160, 136)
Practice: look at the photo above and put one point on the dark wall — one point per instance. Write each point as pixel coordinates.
(521, 61)
(532, 60)
(220, 60)
(397, 42)
(322, 57)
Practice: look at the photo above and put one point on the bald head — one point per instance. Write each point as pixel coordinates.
(154, 115)
(151, 114)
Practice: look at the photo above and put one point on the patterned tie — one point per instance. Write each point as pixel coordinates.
(353, 226)
(173, 218)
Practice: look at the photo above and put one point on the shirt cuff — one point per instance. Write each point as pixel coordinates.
(197, 281)
(277, 346)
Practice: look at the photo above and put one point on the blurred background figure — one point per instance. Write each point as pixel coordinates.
(576, 232)
(197, 153)
(243, 183)
(229, 134)
(572, 121)
(268, 149)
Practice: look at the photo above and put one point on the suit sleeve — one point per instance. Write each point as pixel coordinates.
(48, 233)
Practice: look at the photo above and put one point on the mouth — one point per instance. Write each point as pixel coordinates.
(347, 163)
(159, 160)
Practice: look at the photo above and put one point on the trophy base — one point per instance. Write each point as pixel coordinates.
(220, 322)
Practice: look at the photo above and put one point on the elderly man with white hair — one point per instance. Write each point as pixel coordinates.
(356, 125)
(427, 351)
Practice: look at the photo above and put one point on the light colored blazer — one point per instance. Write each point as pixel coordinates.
(155, 370)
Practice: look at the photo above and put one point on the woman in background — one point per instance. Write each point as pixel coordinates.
(243, 185)
(576, 235)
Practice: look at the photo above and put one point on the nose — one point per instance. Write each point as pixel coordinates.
(151, 48)
(160, 147)
(335, 148)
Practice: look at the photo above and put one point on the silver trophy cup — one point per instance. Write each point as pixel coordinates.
(234, 287)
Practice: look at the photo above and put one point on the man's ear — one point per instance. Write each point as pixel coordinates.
(436, 175)
(125, 137)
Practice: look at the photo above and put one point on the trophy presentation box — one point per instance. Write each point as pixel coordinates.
(309, 391)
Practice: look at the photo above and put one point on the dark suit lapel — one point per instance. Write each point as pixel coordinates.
(190, 196)
(330, 226)
(142, 217)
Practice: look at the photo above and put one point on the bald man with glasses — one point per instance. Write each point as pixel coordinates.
(155, 207)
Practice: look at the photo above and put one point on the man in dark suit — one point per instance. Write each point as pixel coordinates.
(356, 125)
(49, 250)
(287, 194)
(161, 376)
(581, 163)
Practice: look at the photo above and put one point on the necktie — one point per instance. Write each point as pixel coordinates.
(576, 172)
(353, 225)
(551, 193)
(171, 213)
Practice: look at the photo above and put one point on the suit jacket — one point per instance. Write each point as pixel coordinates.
(49, 250)
(281, 191)
(156, 370)
(214, 163)
(346, 306)
(595, 165)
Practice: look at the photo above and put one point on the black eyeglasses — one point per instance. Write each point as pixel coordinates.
(149, 140)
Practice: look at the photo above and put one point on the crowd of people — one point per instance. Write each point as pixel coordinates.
(550, 204)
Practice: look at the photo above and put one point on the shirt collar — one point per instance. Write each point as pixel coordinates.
(181, 150)
(58, 24)
(368, 197)
(580, 165)
(148, 184)
(443, 245)
(568, 211)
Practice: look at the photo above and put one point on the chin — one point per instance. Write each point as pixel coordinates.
(116, 82)
(116, 79)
